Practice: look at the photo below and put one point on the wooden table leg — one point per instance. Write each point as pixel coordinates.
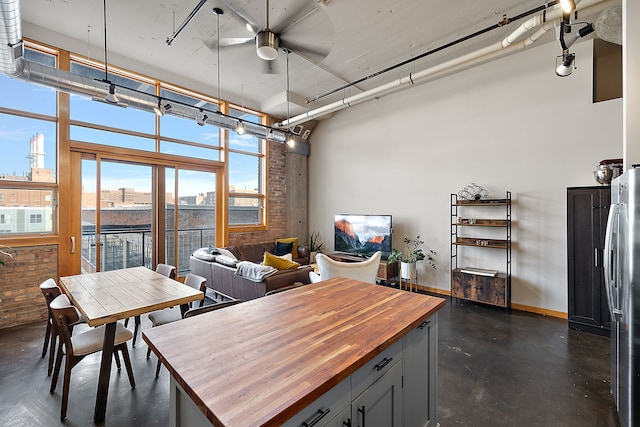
(105, 373)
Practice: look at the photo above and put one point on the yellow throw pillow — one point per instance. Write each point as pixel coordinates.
(294, 249)
(278, 263)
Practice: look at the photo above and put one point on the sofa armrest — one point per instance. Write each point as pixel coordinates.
(287, 277)
(303, 255)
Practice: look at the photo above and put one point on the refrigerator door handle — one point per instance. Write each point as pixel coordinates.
(608, 260)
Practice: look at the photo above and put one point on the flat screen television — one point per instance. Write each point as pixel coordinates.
(362, 235)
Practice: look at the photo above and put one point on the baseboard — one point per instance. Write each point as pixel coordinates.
(514, 306)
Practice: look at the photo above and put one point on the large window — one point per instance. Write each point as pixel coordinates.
(28, 183)
(246, 175)
(112, 148)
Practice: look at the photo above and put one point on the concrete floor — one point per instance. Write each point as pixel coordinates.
(495, 369)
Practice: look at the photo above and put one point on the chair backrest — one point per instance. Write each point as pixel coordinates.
(365, 271)
(196, 282)
(50, 290)
(64, 314)
(207, 308)
(166, 270)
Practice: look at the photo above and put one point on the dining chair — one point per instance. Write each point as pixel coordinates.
(51, 290)
(166, 270)
(196, 311)
(75, 348)
(169, 315)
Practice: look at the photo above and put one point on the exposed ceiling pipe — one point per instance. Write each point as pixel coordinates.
(507, 45)
(14, 65)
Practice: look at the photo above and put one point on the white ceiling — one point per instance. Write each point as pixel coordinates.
(354, 39)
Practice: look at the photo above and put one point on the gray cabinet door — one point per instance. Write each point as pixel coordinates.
(419, 372)
(380, 405)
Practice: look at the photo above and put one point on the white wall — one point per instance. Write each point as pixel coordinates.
(507, 125)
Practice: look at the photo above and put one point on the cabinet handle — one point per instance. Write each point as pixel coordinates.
(384, 363)
(595, 257)
(321, 415)
(361, 410)
(347, 423)
(424, 324)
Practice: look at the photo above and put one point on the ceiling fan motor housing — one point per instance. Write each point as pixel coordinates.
(267, 44)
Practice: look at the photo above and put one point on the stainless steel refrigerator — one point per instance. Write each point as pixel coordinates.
(622, 282)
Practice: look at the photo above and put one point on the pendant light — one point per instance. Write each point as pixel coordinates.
(111, 96)
(291, 142)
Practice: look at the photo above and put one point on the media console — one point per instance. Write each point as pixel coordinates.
(387, 271)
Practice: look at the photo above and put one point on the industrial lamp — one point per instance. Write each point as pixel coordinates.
(161, 109)
(201, 119)
(566, 65)
(111, 97)
(240, 128)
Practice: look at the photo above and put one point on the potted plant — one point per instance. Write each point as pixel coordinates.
(410, 254)
(315, 245)
(5, 252)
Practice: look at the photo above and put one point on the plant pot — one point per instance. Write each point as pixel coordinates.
(408, 270)
(312, 257)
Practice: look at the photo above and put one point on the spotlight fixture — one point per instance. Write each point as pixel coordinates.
(111, 97)
(161, 109)
(240, 128)
(201, 119)
(567, 65)
(568, 6)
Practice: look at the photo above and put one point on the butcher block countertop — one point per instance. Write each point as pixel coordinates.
(262, 361)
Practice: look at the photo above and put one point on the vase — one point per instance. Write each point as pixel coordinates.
(312, 257)
(408, 270)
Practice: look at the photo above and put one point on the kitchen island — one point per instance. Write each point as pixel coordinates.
(321, 354)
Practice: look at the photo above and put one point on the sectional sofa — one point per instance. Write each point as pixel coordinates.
(221, 270)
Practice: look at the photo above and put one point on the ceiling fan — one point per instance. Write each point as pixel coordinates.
(270, 38)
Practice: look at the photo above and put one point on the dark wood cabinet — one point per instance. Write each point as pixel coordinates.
(587, 211)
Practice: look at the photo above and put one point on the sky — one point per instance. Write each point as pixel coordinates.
(16, 132)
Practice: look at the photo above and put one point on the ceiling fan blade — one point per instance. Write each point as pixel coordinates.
(293, 17)
(234, 41)
(251, 23)
(269, 67)
(317, 52)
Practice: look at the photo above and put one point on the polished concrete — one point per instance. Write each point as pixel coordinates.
(495, 369)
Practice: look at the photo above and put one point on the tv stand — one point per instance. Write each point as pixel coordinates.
(387, 271)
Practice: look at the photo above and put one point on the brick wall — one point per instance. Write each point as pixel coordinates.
(20, 298)
(22, 302)
(276, 200)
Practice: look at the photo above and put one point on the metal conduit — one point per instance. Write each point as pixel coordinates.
(14, 65)
(507, 45)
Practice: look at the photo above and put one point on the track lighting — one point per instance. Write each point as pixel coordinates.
(111, 97)
(240, 128)
(568, 6)
(567, 65)
(161, 108)
(291, 142)
(201, 119)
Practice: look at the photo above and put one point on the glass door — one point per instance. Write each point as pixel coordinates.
(190, 214)
(117, 215)
(121, 226)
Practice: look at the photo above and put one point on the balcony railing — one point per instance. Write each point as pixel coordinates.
(132, 246)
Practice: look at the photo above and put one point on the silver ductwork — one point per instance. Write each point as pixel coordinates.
(13, 64)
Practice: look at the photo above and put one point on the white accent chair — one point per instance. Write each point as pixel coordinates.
(365, 271)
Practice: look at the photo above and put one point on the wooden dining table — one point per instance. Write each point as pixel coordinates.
(103, 298)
